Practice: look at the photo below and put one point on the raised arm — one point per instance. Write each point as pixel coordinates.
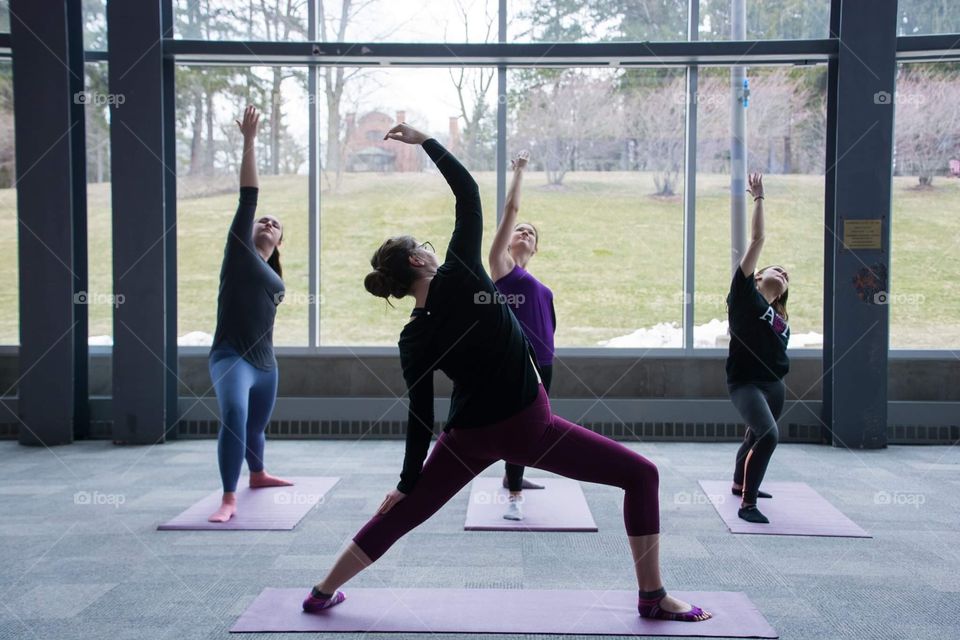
(241, 229)
(500, 260)
(748, 264)
(464, 244)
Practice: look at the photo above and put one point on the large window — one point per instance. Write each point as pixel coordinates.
(785, 138)
(9, 266)
(925, 231)
(100, 302)
(209, 148)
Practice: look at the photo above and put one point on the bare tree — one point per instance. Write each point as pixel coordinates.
(654, 118)
(557, 118)
(928, 122)
(472, 86)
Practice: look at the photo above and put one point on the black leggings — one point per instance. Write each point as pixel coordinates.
(760, 404)
(515, 471)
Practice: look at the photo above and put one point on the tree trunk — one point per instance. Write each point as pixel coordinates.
(275, 121)
(197, 132)
(209, 150)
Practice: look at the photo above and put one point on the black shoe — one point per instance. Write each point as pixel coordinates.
(760, 494)
(750, 513)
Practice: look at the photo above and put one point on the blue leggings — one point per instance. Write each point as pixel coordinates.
(246, 396)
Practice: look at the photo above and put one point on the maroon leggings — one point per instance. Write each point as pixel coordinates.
(534, 437)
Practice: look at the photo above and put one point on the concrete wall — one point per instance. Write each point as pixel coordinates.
(376, 373)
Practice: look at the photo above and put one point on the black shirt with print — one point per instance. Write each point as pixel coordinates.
(758, 334)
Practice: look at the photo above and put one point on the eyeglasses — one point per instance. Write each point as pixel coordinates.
(426, 245)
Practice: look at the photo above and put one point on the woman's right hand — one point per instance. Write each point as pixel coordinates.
(251, 120)
(520, 161)
(755, 180)
(405, 133)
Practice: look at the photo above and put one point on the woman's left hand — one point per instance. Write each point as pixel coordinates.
(392, 498)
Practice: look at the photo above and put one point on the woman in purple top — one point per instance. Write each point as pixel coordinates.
(529, 299)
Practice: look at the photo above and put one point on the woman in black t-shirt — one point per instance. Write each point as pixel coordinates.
(757, 363)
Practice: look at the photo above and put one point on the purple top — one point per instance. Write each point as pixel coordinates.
(532, 303)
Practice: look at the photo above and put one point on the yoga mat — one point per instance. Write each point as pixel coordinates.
(500, 611)
(559, 507)
(795, 510)
(270, 508)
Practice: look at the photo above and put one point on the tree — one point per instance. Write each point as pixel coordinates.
(927, 132)
(654, 114)
(472, 87)
(558, 118)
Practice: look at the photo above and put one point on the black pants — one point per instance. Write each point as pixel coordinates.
(515, 471)
(760, 404)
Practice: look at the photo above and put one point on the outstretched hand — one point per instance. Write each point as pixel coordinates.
(520, 160)
(405, 133)
(251, 120)
(756, 185)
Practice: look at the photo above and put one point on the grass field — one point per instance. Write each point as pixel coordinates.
(611, 253)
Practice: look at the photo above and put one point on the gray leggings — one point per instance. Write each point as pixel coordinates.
(760, 404)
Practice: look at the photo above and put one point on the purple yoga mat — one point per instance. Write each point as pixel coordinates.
(500, 611)
(270, 508)
(795, 510)
(559, 507)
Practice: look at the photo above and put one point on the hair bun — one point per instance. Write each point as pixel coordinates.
(377, 283)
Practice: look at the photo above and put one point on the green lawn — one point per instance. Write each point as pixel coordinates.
(611, 253)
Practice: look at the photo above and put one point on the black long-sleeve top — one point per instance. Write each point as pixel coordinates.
(250, 291)
(464, 330)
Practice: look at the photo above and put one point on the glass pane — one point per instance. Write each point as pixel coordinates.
(767, 19)
(585, 21)
(371, 21)
(95, 25)
(209, 148)
(785, 133)
(920, 17)
(4, 16)
(925, 231)
(9, 265)
(240, 20)
(605, 190)
(99, 223)
(373, 189)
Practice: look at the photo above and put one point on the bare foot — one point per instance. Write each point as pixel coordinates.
(228, 507)
(260, 479)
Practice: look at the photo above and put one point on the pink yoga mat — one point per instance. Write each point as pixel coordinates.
(271, 508)
(500, 611)
(559, 507)
(795, 510)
